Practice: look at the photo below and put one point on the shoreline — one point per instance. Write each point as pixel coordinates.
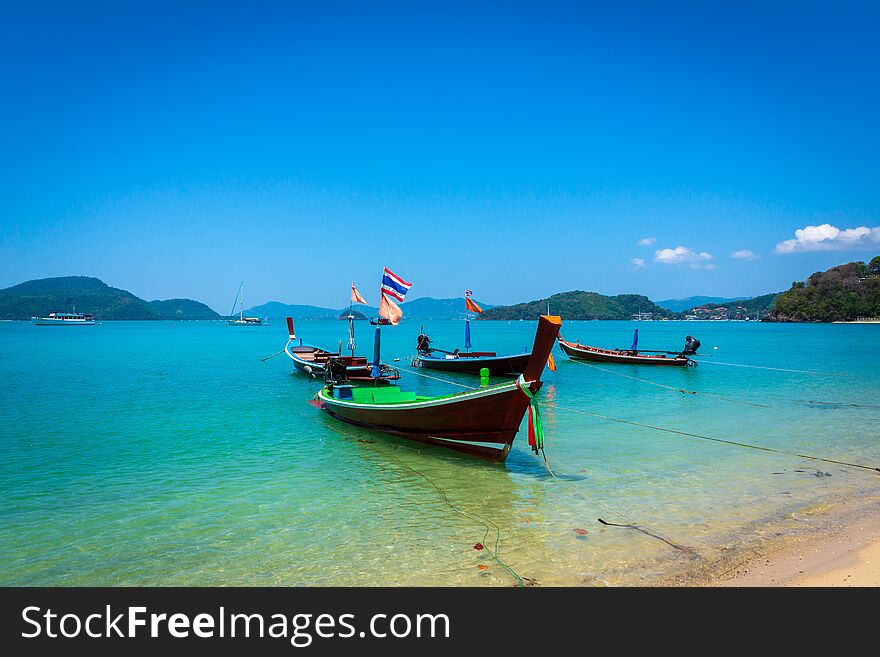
(840, 547)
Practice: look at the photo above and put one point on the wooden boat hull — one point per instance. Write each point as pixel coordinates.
(497, 365)
(584, 352)
(481, 422)
(312, 361)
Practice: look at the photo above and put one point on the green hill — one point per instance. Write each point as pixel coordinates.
(752, 308)
(681, 305)
(90, 295)
(358, 315)
(183, 309)
(843, 293)
(581, 305)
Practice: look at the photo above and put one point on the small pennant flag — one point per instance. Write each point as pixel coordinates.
(356, 296)
(470, 304)
(390, 310)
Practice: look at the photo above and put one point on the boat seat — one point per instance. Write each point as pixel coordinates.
(386, 395)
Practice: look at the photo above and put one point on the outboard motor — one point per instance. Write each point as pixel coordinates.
(337, 371)
(691, 344)
(423, 346)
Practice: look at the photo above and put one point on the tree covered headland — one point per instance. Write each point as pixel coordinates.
(843, 293)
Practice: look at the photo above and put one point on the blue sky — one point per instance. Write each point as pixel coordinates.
(516, 149)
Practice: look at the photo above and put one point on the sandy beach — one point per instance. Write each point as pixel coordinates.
(845, 551)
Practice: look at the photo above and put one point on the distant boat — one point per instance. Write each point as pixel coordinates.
(632, 356)
(380, 321)
(482, 422)
(65, 319)
(242, 320)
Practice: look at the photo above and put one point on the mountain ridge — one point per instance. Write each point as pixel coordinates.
(38, 297)
(581, 305)
(423, 308)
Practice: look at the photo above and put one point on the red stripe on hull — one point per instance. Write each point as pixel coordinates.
(501, 365)
(491, 419)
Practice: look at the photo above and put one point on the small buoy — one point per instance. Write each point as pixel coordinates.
(580, 532)
(715, 348)
(478, 546)
(482, 567)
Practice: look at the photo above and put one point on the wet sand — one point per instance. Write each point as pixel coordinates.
(844, 552)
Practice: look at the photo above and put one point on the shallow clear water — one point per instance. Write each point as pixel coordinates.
(167, 453)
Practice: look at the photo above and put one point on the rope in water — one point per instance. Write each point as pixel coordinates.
(776, 369)
(660, 385)
(717, 440)
(277, 353)
(632, 523)
(488, 524)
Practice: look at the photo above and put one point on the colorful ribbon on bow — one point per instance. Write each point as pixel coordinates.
(536, 428)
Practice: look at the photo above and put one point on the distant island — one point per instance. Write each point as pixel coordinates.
(583, 305)
(841, 294)
(848, 292)
(357, 314)
(688, 303)
(425, 308)
(39, 297)
(753, 308)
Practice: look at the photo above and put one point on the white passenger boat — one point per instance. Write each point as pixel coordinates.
(64, 319)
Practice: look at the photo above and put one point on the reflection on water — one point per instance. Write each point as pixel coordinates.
(167, 453)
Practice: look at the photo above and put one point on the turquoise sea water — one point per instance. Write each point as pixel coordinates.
(139, 453)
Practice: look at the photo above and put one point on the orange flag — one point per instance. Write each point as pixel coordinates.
(471, 305)
(551, 363)
(390, 310)
(356, 296)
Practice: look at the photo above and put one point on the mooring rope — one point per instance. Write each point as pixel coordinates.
(776, 369)
(633, 524)
(684, 391)
(487, 523)
(717, 440)
(435, 378)
(277, 353)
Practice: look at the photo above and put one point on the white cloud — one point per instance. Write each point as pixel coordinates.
(681, 255)
(637, 263)
(830, 238)
(744, 254)
(647, 241)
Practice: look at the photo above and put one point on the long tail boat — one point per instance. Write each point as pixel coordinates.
(472, 362)
(469, 362)
(482, 422)
(315, 361)
(633, 356)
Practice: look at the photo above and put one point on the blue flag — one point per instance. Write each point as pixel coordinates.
(467, 334)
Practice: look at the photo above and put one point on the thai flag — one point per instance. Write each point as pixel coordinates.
(468, 293)
(393, 285)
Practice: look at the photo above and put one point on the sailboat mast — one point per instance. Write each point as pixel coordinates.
(241, 302)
